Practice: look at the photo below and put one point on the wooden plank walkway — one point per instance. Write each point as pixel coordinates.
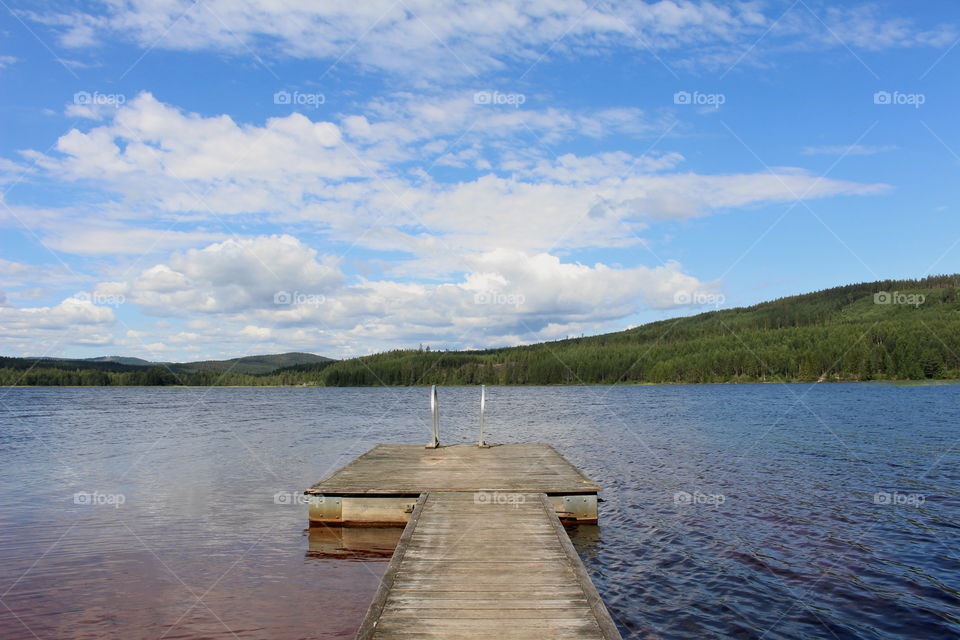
(483, 554)
(486, 565)
(412, 469)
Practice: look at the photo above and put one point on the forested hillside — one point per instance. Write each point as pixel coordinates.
(121, 371)
(890, 330)
(855, 332)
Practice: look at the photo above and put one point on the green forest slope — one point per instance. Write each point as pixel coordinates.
(890, 330)
(855, 332)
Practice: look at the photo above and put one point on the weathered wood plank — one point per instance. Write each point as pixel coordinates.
(383, 591)
(469, 568)
(393, 468)
(483, 554)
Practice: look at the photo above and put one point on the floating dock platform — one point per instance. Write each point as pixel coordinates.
(380, 487)
(483, 553)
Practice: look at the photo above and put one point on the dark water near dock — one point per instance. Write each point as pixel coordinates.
(754, 511)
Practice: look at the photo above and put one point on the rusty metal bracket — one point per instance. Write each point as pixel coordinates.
(325, 508)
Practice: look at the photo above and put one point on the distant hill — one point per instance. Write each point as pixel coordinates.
(122, 360)
(254, 364)
(24, 364)
(250, 365)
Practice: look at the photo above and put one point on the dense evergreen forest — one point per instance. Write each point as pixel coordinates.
(889, 330)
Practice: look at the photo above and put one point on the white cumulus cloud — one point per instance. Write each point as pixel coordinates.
(234, 275)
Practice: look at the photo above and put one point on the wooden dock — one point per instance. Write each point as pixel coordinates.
(381, 486)
(483, 553)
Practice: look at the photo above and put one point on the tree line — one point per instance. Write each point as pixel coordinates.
(847, 333)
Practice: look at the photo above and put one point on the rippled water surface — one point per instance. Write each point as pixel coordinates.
(755, 511)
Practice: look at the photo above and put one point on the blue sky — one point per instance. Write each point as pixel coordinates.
(187, 180)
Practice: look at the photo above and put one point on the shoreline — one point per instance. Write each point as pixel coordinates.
(894, 383)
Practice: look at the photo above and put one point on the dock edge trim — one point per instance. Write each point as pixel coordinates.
(369, 625)
(604, 620)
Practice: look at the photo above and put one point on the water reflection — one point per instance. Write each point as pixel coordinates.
(352, 543)
(364, 543)
(585, 539)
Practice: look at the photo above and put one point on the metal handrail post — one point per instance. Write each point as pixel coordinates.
(483, 406)
(435, 414)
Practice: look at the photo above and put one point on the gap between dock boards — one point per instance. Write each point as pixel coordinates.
(474, 568)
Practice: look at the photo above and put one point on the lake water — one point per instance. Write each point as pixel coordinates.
(754, 511)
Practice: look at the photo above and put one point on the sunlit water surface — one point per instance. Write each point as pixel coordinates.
(755, 511)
